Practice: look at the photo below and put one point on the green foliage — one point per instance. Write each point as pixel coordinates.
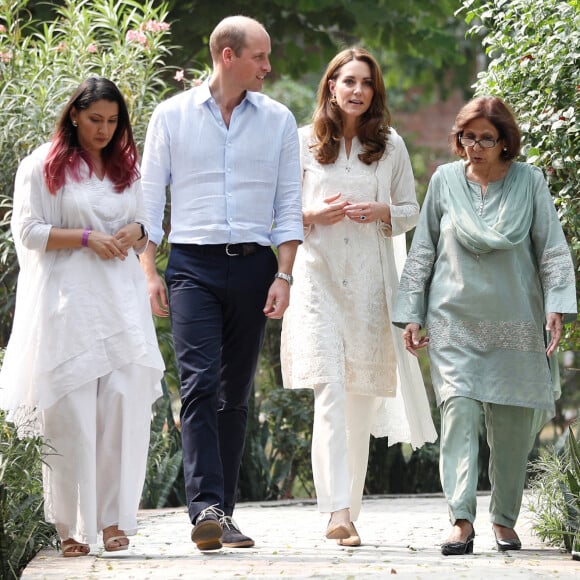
(41, 63)
(555, 500)
(23, 531)
(423, 40)
(534, 51)
(299, 97)
(164, 483)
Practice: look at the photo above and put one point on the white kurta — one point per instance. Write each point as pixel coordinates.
(77, 317)
(82, 366)
(337, 328)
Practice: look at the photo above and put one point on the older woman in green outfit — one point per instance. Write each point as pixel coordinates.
(490, 278)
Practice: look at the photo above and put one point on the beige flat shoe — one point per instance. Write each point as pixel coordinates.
(353, 539)
(337, 531)
(73, 549)
(116, 542)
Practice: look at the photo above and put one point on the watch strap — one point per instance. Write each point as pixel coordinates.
(143, 231)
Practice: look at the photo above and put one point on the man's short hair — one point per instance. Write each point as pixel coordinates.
(230, 33)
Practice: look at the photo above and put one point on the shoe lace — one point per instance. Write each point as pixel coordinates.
(212, 509)
(229, 523)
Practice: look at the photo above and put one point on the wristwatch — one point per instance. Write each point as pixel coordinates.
(143, 231)
(288, 277)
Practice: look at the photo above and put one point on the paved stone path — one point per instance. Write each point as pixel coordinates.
(401, 536)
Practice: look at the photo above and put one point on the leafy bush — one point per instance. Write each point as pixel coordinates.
(164, 485)
(555, 499)
(23, 531)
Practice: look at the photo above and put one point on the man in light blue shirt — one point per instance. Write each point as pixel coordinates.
(230, 156)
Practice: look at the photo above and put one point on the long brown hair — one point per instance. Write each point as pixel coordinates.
(373, 126)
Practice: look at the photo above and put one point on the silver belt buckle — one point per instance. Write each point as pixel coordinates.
(228, 250)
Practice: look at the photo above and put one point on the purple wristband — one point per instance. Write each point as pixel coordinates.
(85, 238)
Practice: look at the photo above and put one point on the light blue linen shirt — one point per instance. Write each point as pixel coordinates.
(228, 185)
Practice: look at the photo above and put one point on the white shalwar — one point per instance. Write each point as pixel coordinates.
(83, 361)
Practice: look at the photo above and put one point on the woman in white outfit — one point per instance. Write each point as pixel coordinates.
(358, 201)
(82, 359)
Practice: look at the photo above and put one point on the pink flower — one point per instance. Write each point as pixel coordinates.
(136, 36)
(5, 56)
(92, 48)
(179, 76)
(154, 26)
(2, 28)
(61, 46)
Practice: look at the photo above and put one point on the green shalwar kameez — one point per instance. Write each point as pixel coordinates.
(482, 273)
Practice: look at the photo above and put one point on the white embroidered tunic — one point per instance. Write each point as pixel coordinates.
(78, 317)
(337, 328)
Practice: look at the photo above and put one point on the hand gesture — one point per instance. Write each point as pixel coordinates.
(157, 295)
(554, 326)
(413, 341)
(128, 235)
(278, 299)
(330, 213)
(106, 247)
(368, 212)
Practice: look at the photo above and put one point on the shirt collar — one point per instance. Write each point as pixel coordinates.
(202, 94)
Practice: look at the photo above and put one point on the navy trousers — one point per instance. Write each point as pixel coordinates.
(216, 304)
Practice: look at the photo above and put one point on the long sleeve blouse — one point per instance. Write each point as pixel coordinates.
(337, 328)
(485, 311)
(77, 317)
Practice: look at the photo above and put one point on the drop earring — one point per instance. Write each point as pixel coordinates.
(75, 124)
(333, 100)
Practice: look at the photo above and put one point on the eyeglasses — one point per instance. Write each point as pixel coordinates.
(483, 143)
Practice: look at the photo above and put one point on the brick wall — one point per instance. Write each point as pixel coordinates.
(429, 126)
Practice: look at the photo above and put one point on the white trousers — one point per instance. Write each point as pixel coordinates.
(98, 439)
(340, 447)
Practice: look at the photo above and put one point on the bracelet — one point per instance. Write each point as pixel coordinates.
(85, 238)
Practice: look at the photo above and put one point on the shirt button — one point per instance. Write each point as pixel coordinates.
(345, 283)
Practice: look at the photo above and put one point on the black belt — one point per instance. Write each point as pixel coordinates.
(241, 249)
(232, 250)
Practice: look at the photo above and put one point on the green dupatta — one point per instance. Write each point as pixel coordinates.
(514, 217)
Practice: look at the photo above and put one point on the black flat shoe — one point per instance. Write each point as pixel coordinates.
(505, 545)
(459, 548)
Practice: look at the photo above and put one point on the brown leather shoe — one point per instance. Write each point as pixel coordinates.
(207, 531)
(353, 539)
